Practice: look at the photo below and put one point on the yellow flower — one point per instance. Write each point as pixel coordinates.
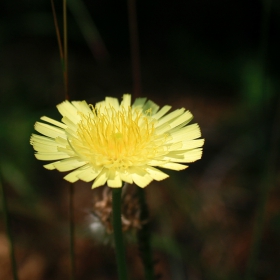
(114, 142)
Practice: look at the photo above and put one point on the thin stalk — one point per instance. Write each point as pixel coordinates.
(134, 47)
(57, 32)
(9, 231)
(118, 234)
(65, 45)
(143, 237)
(71, 187)
(63, 52)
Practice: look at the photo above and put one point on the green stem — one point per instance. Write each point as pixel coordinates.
(118, 235)
(9, 231)
(144, 238)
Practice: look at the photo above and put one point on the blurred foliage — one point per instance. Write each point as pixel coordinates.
(203, 55)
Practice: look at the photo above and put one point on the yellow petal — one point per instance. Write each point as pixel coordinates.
(72, 176)
(61, 141)
(101, 179)
(192, 144)
(49, 166)
(89, 174)
(175, 146)
(68, 164)
(174, 156)
(54, 122)
(43, 148)
(186, 133)
(69, 124)
(193, 155)
(126, 100)
(126, 177)
(183, 155)
(41, 140)
(114, 102)
(43, 144)
(51, 156)
(186, 117)
(66, 109)
(49, 130)
(139, 102)
(114, 180)
(156, 174)
(162, 112)
(140, 177)
(82, 107)
(173, 166)
(151, 107)
(170, 117)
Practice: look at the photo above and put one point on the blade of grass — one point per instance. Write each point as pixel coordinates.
(63, 51)
(65, 45)
(57, 31)
(144, 239)
(71, 188)
(134, 48)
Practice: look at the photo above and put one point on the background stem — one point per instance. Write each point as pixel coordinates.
(65, 54)
(118, 235)
(143, 236)
(134, 48)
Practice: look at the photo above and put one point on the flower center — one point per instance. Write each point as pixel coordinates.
(116, 138)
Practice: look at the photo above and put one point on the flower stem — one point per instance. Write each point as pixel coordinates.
(9, 232)
(117, 225)
(144, 237)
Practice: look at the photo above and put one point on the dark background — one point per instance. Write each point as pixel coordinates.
(208, 56)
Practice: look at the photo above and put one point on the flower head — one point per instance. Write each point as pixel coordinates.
(112, 142)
